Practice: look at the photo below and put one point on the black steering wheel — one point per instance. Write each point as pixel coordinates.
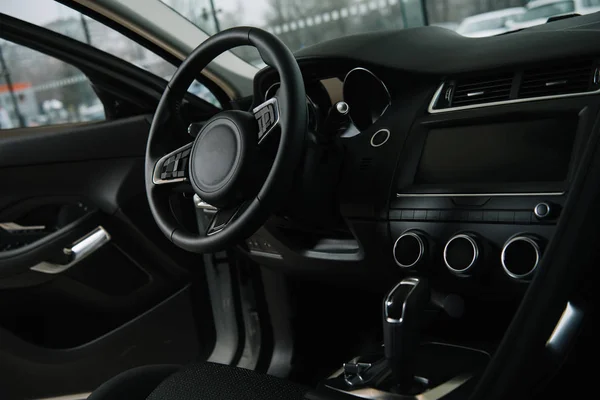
(221, 165)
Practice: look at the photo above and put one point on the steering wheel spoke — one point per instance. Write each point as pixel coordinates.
(267, 117)
(203, 205)
(223, 217)
(173, 167)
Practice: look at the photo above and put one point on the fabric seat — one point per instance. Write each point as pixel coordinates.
(201, 381)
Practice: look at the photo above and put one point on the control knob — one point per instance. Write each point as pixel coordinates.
(543, 210)
(520, 256)
(461, 254)
(409, 249)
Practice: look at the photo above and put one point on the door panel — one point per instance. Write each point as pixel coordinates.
(127, 303)
(164, 334)
(105, 182)
(74, 142)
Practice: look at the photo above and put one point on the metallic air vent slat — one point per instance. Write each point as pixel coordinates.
(556, 87)
(481, 93)
(546, 81)
(556, 79)
(568, 78)
(480, 96)
(484, 88)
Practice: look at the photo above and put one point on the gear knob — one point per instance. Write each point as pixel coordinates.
(402, 311)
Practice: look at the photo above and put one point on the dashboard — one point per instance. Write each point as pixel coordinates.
(455, 161)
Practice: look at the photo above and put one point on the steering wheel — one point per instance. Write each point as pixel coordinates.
(221, 165)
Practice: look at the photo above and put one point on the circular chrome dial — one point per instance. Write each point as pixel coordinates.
(520, 256)
(461, 254)
(409, 249)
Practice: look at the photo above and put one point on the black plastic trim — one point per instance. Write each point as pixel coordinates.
(81, 142)
(439, 51)
(165, 333)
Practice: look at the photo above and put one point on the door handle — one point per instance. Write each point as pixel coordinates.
(77, 252)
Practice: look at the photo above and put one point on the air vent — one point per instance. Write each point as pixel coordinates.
(487, 89)
(558, 79)
(553, 80)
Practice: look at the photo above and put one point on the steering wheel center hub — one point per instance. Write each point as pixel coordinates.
(220, 156)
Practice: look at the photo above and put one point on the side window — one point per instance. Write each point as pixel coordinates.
(36, 90)
(71, 23)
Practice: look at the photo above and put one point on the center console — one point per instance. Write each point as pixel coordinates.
(490, 238)
(477, 199)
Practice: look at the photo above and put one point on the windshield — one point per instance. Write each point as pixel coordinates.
(477, 26)
(546, 11)
(301, 23)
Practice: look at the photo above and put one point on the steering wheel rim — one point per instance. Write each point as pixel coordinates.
(291, 113)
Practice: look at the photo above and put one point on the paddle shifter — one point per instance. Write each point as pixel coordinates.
(402, 310)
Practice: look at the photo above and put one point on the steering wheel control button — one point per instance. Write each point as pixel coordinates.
(380, 137)
(409, 249)
(461, 254)
(521, 256)
(172, 167)
(543, 210)
(267, 117)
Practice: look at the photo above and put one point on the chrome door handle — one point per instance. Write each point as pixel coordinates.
(77, 252)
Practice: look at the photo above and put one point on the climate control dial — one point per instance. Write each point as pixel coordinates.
(521, 256)
(410, 249)
(461, 254)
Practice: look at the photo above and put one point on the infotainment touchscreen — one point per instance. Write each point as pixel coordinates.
(511, 152)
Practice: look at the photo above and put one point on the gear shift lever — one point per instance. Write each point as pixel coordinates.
(402, 309)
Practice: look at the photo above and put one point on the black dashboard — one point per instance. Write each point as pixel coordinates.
(462, 174)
